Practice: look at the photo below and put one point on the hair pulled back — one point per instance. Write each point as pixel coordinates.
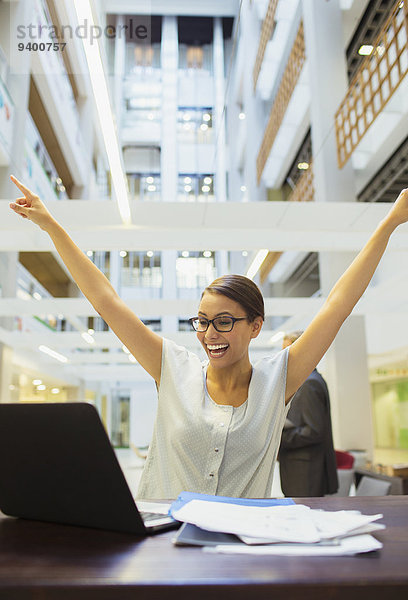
(242, 290)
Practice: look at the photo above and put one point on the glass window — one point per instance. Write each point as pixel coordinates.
(195, 125)
(142, 269)
(195, 270)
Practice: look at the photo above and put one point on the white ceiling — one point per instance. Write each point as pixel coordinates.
(278, 226)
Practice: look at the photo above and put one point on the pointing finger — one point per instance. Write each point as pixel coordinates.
(20, 186)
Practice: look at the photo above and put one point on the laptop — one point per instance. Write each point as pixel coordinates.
(57, 465)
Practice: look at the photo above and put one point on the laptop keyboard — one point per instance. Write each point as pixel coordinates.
(149, 516)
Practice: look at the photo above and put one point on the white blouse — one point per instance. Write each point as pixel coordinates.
(201, 446)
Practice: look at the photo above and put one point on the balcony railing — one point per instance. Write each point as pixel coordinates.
(302, 192)
(266, 32)
(374, 83)
(287, 85)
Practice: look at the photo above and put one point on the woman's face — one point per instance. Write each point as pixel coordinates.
(226, 348)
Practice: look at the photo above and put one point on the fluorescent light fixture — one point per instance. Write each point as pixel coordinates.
(53, 354)
(104, 109)
(256, 263)
(365, 50)
(278, 337)
(87, 337)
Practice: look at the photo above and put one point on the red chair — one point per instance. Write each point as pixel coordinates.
(344, 460)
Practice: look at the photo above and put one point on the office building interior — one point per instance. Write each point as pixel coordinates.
(259, 137)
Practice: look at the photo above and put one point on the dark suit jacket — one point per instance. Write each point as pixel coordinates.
(307, 459)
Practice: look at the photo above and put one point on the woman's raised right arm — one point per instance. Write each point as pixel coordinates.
(144, 344)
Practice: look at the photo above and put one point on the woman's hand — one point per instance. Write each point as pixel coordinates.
(30, 207)
(399, 211)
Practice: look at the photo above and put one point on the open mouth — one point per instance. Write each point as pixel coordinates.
(217, 350)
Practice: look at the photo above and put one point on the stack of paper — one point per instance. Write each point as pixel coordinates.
(288, 529)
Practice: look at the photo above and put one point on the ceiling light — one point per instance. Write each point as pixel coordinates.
(242, 116)
(205, 188)
(125, 350)
(244, 253)
(37, 296)
(55, 391)
(243, 188)
(91, 331)
(186, 116)
(207, 253)
(104, 110)
(123, 253)
(303, 166)
(132, 358)
(203, 126)
(185, 254)
(41, 387)
(88, 338)
(206, 117)
(365, 50)
(187, 179)
(151, 188)
(278, 337)
(150, 253)
(207, 180)
(187, 188)
(256, 263)
(37, 381)
(150, 179)
(89, 253)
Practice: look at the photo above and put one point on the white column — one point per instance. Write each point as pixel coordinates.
(169, 163)
(169, 64)
(219, 115)
(346, 360)
(254, 109)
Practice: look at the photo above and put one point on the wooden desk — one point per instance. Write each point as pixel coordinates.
(51, 562)
(399, 485)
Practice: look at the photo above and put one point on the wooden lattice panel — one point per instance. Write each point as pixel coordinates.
(286, 87)
(304, 190)
(374, 83)
(266, 32)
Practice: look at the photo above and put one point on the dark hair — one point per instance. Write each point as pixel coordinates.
(241, 290)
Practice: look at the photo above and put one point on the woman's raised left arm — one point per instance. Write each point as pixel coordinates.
(306, 352)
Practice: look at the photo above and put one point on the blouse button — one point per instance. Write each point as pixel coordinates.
(211, 474)
(215, 449)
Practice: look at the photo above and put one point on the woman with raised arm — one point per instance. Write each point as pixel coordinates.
(218, 422)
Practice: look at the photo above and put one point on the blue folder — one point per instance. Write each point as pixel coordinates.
(185, 497)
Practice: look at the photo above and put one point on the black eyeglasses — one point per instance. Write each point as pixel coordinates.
(220, 324)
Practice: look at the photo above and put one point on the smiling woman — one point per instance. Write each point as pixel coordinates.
(219, 422)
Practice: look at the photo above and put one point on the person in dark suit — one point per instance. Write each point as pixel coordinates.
(307, 460)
